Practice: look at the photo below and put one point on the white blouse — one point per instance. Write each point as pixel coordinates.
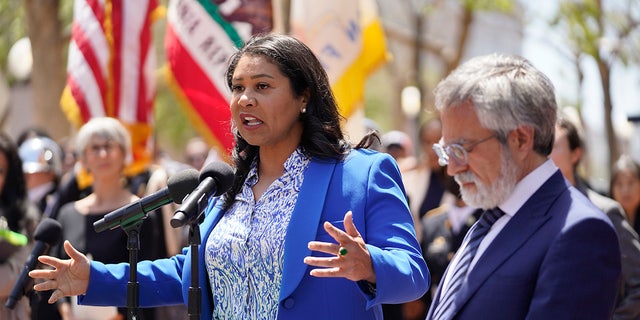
(244, 253)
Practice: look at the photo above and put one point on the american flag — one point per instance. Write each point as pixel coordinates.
(111, 68)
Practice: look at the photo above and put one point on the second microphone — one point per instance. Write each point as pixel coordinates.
(215, 179)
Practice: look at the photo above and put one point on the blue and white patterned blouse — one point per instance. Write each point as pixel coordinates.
(244, 253)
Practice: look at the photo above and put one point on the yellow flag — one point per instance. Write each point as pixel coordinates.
(348, 38)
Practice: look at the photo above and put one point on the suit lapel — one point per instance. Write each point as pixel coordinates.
(456, 240)
(527, 221)
(304, 223)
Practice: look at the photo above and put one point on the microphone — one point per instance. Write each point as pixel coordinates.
(215, 179)
(178, 187)
(48, 233)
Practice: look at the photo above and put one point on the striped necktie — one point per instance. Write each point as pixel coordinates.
(475, 236)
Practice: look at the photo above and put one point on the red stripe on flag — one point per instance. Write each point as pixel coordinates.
(79, 97)
(84, 46)
(112, 107)
(98, 10)
(144, 104)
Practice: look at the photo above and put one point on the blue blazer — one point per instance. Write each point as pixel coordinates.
(557, 258)
(368, 183)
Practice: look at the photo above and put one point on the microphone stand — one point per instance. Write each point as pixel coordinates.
(133, 246)
(194, 298)
(194, 308)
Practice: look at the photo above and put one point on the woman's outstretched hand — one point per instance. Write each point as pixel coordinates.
(349, 256)
(68, 278)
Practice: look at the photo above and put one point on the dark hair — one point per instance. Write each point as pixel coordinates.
(13, 199)
(574, 136)
(624, 163)
(32, 132)
(322, 135)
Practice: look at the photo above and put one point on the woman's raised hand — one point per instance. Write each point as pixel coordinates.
(67, 278)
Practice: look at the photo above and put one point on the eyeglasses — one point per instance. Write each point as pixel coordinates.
(457, 151)
(96, 149)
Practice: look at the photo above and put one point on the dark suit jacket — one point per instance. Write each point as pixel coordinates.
(628, 305)
(557, 258)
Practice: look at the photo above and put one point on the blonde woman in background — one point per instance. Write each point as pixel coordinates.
(103, 147)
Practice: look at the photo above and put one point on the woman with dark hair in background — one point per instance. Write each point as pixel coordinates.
(17, 215)
(625, 188)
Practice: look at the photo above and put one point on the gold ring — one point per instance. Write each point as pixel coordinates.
(342, 251)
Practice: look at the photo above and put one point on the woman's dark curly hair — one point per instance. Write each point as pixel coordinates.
(322, 136)
(13, 199)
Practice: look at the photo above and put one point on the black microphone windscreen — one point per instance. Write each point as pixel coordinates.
(182, 183)
(48, 231)
(221, 172)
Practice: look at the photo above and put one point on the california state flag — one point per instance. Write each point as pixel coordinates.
(200, 38)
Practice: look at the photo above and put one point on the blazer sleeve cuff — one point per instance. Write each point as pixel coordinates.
(107, 286)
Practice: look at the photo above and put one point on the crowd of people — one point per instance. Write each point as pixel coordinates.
(487, 215)
(39, 179)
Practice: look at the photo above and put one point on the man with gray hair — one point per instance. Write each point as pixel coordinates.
(541, 249)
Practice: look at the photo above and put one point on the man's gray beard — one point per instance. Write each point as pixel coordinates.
(487, 197)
